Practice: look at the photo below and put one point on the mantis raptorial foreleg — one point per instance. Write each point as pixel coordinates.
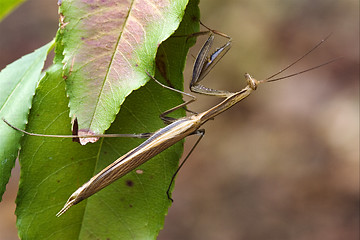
(202, 66)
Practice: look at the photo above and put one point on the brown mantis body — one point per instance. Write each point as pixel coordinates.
(178, 128)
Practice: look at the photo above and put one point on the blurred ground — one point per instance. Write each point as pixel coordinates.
(283, 164)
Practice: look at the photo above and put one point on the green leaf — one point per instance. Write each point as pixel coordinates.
(134, 207)
(18, 82)
(108, 47)
(7, 6)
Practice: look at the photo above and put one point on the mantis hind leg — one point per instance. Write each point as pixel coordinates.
(200, 132)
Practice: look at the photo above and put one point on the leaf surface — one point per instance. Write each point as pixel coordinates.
(133, 207)
(7, 6)
(108, 48)
(18, 83)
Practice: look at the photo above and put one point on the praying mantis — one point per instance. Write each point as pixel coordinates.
(176, 129)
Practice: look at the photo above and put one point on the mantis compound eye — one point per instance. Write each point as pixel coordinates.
(252, 82)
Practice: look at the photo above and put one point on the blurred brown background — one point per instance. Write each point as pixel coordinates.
(284, 163)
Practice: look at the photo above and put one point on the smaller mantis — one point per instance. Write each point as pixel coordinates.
(177, 129)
